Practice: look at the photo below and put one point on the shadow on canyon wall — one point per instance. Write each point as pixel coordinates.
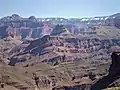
(113, 75)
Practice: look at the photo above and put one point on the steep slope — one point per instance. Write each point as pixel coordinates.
(6, 46)
(56, 49)
(14, 78)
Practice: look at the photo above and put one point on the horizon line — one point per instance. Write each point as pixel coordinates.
(66, 17)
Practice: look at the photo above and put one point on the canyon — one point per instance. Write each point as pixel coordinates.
(66, 54)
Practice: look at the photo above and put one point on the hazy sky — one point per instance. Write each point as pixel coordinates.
(56, 8)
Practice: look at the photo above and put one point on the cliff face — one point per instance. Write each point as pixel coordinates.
(23, 27)
(112, 79)
(114, 68)
(3, 32)
(55, 49)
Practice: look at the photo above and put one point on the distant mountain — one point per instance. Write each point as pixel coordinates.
(33, 27)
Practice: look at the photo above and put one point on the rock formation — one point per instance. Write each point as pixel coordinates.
(113, 75)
